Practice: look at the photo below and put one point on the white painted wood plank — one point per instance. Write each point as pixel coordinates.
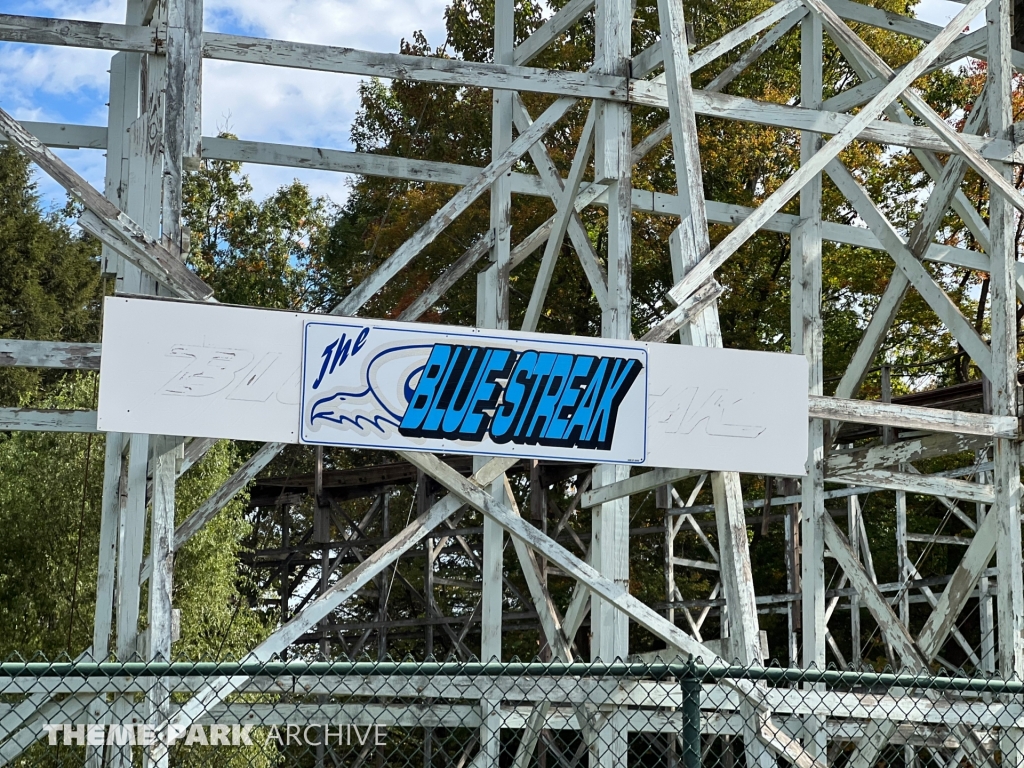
(564, 203)
(566, 212)
(44, 420)
(959, 588)
(881, 456)
(293, 156)
(932, 119)
(427, 69)
(961, 328)
(889, 623)
(1005, 350)
(218, 500)
(550, 30)
(614, 593)
(912, 417)
(50, 354)
(636, 484)
(78, 34)
(159, 611)
(215, 690)
(131, 539)
(931, 485)
(754, 52)
(105, 572)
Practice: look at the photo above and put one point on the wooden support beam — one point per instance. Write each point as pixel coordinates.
(609, 590)
(646, 481)
(930, 485)
(955, 141)
(889, 623)
(1005, 390)
(218, 500)
(959, 326)
(44, 420)
(456, 205)
(754, 52)
(79, 34)
(49, 354)
(881, 456)
(550, 30)
(567, 219)
(912, 417)
(426, 69)
(652, 57)
(945, 192)
(659, 204)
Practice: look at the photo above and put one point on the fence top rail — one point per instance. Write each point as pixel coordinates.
(656, 670)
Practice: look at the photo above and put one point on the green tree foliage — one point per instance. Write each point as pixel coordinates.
(262, 253)
(49, 281)
(51, 482)
(52, 486)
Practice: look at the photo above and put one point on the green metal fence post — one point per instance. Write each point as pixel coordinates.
(690, 682)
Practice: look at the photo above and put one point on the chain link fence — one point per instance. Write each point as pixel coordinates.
(465, 715)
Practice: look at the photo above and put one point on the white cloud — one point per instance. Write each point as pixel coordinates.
(27, 69)
(292, 106)
(376, 25)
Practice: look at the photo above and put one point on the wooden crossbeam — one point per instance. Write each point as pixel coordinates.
(49, 354)
(912, 417)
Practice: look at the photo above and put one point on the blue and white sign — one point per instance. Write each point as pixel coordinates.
(209, 370)
(367, 384)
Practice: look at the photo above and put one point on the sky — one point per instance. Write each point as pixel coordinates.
(258, 103)
(273, 104)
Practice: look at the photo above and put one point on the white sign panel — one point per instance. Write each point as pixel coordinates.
(209, 370)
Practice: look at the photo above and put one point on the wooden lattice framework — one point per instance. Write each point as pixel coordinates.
(153, 135)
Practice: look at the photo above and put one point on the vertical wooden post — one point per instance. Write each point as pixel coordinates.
(166, 454)
(322, 536)
(422, 505)
(182, 108)
(805, 257)
(902, 556)
(109, 515)
(1006, 470)
(612, 164)
(663, 500)
(106, 572)
(492, 312)
(130, 545)
(609, 547)
(853, 526)
(793, 571)
(807, 337)
(123, 502)
(383, 585)
(539, 518)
